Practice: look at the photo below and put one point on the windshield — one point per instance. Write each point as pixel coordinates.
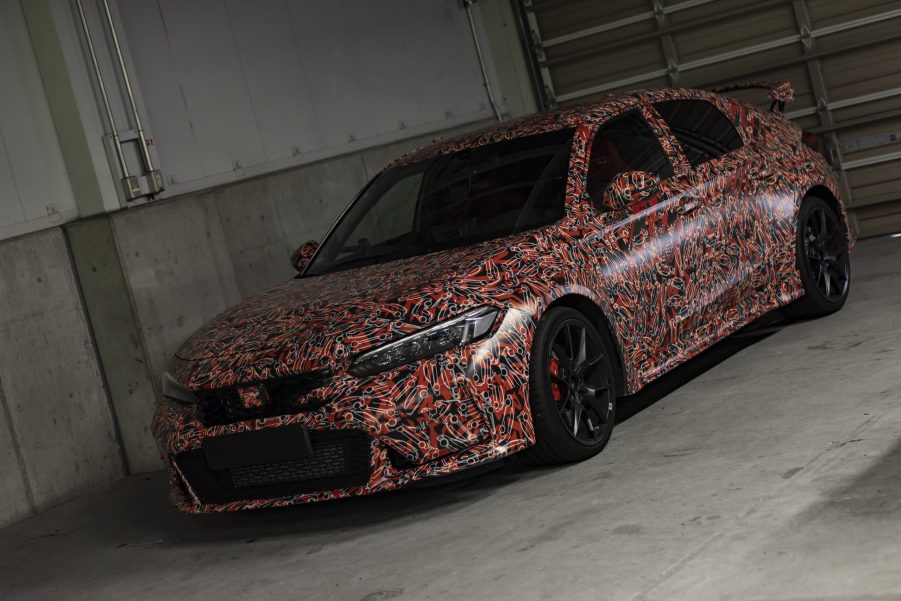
(452, 200)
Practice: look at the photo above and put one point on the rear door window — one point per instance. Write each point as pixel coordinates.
(625, 143)
(703, 131)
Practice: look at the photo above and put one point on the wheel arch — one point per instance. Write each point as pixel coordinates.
(830, 197)
(590, 309)
(825, 194)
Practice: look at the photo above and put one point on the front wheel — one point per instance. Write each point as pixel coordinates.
(572, 389)
(821, 248)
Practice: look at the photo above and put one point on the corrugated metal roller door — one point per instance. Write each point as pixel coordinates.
(843, 57)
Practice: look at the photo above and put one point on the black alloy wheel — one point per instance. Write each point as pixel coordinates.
(827, 253)
(573, 388)
(823, 260)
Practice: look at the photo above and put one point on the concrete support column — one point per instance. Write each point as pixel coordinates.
(57, 433)
(69, 92)
(117, 336)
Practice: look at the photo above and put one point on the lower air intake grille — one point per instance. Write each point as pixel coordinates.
(341, 459)
(327, 462)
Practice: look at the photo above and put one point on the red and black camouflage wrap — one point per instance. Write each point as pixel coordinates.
(710, 252)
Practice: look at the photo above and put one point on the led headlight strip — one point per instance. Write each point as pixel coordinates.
(435, 339)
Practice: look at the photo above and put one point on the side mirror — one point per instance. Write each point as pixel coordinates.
(302, 255)
(628, 188)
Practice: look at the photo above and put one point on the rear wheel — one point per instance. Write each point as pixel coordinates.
(572, 389)
(822, 259)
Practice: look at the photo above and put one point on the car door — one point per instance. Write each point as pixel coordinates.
(646, 252)
(729, 262)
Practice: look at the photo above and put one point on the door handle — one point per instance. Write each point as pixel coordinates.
(688, 207)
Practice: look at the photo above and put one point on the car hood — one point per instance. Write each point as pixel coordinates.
(316, 323)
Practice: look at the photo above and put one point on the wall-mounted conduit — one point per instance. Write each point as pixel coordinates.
(132, 187)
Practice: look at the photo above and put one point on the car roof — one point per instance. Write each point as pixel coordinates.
(572, 116)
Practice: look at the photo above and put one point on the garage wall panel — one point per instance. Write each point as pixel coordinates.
(835, 12)
(341, 102)
(168, 116)
(34, 186)
(874, 184)
(565, 17)
(376, 33)
(236, 88)
(723, 71)
(864, 75)
(703, 43)
(275, 77)
(607, 63)
(444, 88)
(209, 69)
(730, 35)
(10, 202)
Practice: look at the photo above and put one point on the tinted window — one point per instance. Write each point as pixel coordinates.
(625, 143)
(452, 200)
(703, 131)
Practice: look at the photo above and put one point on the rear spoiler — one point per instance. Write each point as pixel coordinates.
(780, 91)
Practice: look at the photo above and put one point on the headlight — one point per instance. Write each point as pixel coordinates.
(458, 331)
(173, 389)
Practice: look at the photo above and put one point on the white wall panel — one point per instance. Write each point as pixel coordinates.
(10, 203)
(164, 99)
(342, 108)
(375, 32)
(445, 65)
(274, 83)
(209, 69)
(275, 77)
(34, 187)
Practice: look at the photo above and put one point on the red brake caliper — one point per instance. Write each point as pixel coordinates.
(555, 387)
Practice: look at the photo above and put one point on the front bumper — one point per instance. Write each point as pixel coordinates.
(438, 416)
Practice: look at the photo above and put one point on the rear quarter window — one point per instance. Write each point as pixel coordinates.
(703, 131)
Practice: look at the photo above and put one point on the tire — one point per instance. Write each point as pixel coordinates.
(822, 259)
(572, 394)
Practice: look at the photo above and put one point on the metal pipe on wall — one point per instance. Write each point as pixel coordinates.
(120, 157)
(145, 153)
(475, 39)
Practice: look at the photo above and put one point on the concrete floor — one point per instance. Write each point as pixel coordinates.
(774, 474)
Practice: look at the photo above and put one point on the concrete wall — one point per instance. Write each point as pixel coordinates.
(117, 338)
(57, 431)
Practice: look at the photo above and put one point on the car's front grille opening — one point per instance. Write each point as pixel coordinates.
(327, 462)
(282, 396)
(341, 459)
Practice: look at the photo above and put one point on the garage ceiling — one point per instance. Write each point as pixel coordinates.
(841, 57)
